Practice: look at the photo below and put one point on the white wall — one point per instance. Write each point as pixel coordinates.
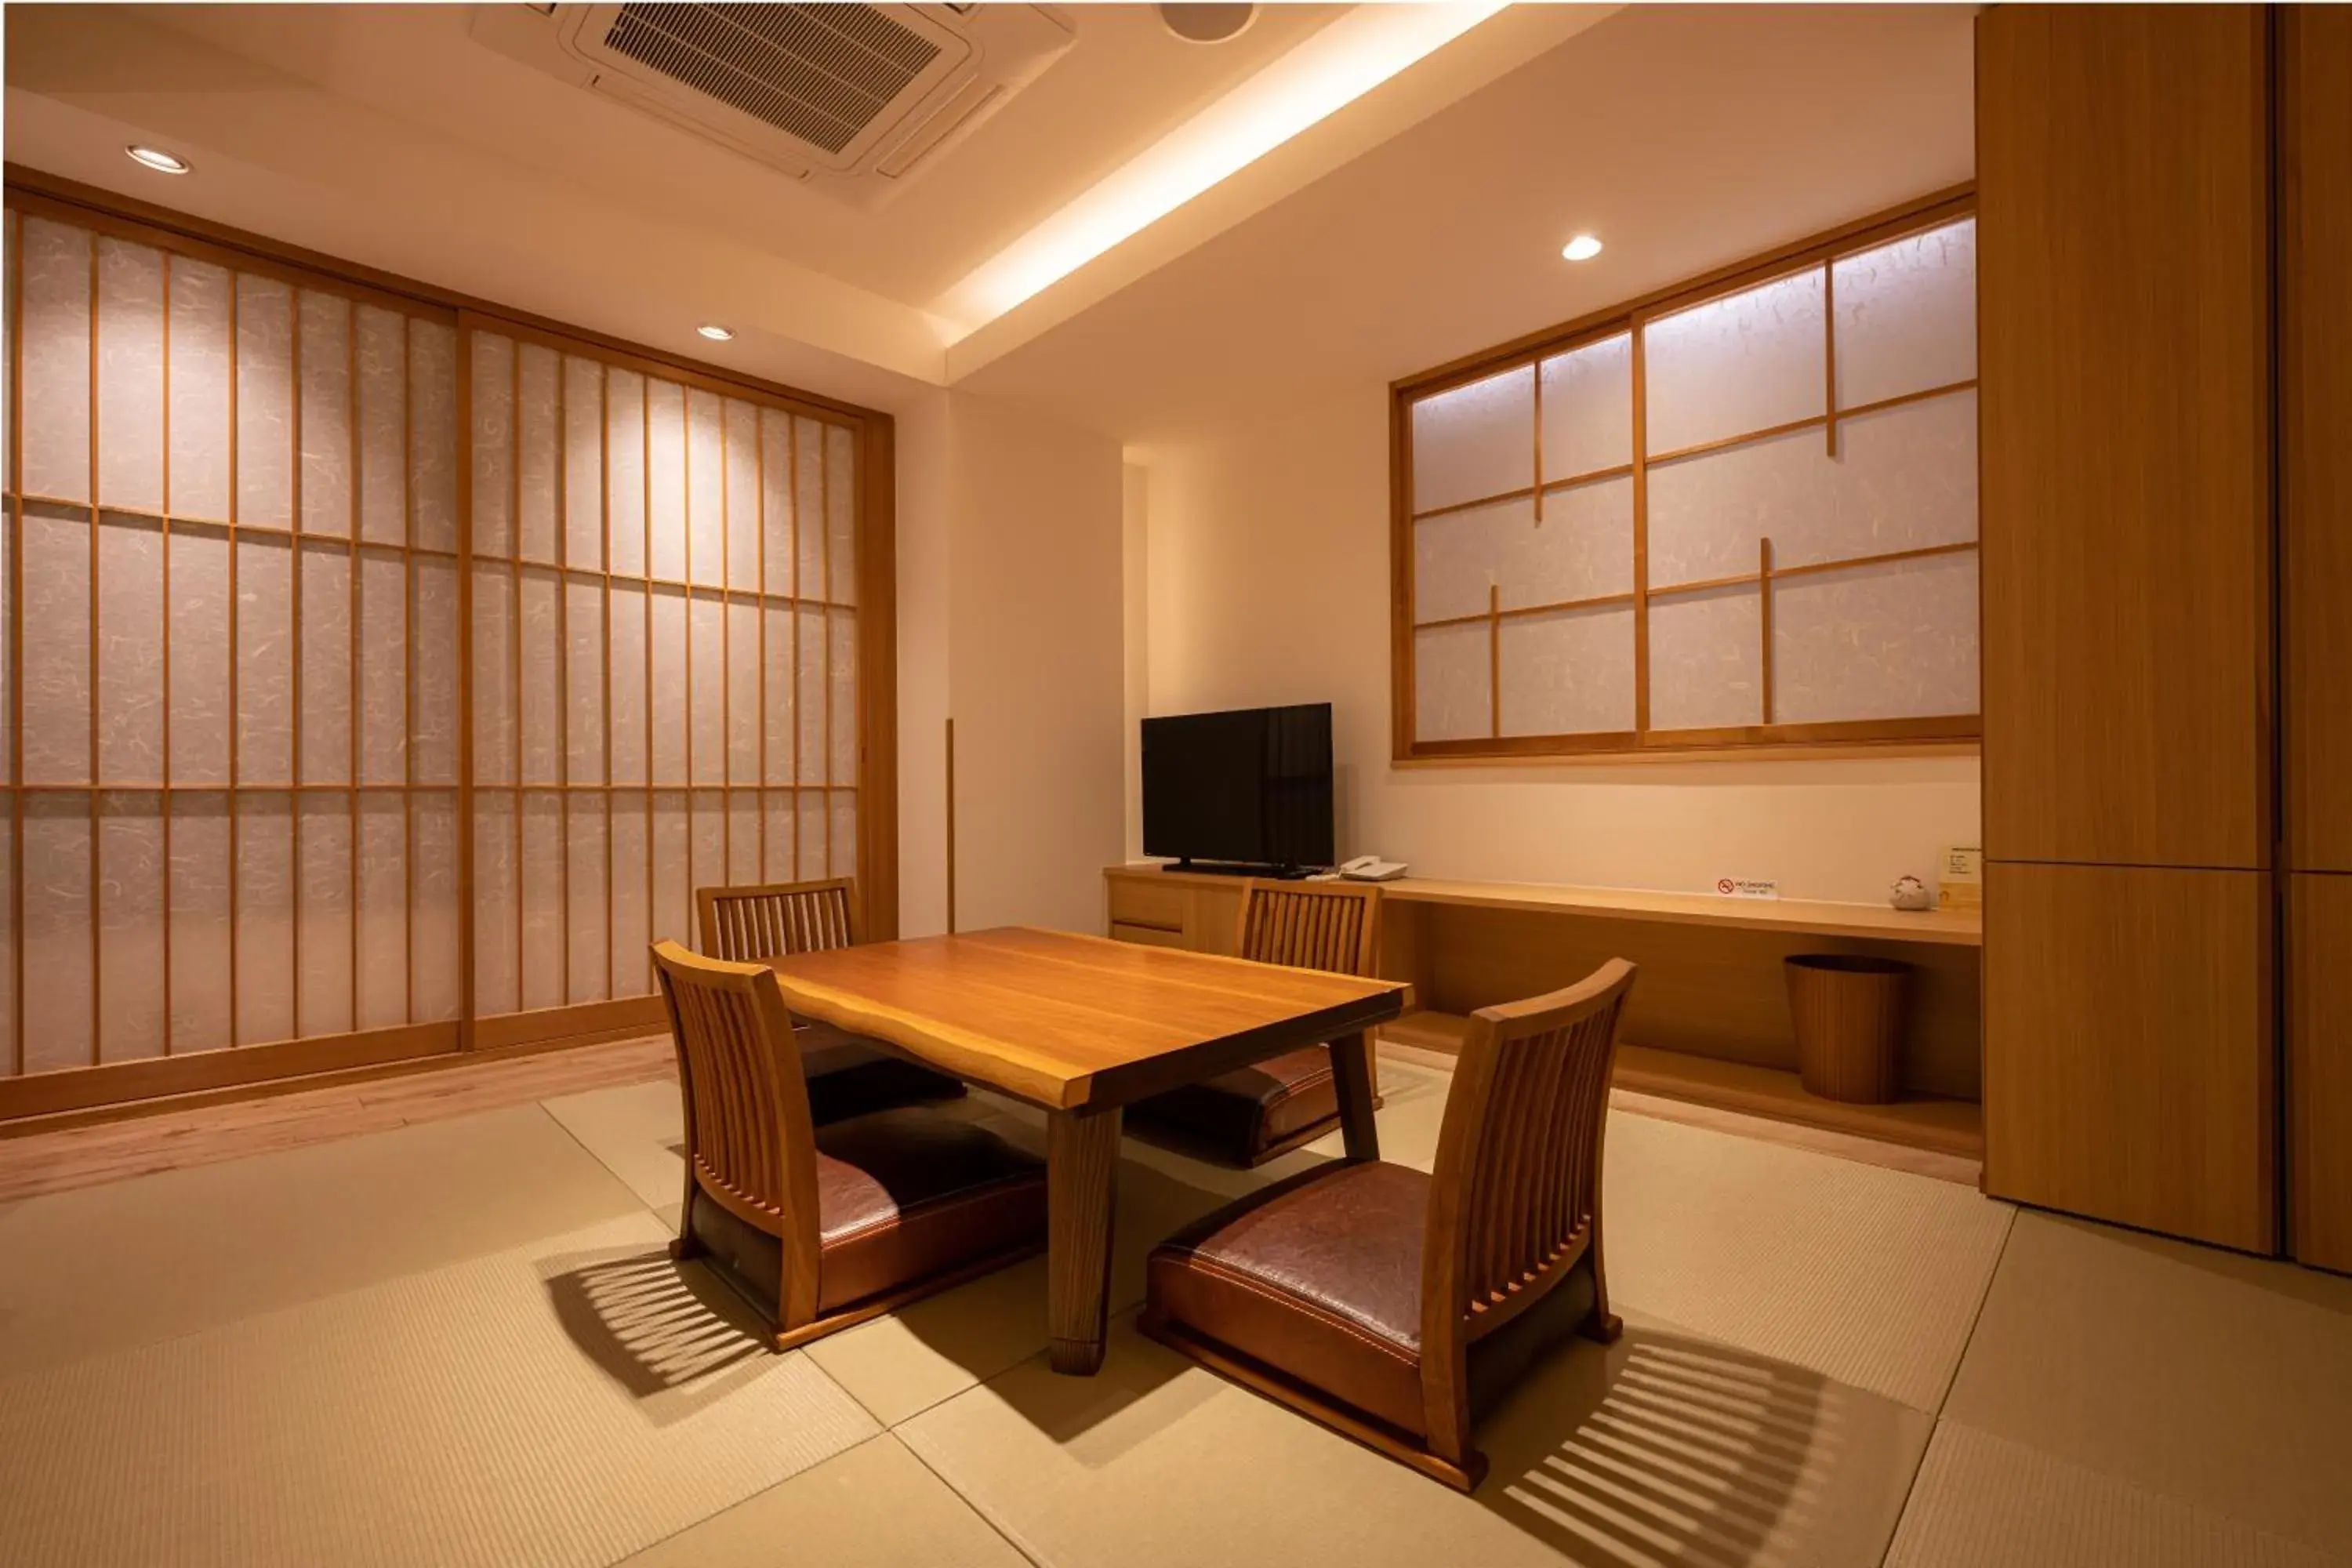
(1268, 582)
(1010, 618)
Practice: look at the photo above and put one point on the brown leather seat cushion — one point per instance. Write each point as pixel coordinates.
(849, 1074)
(1318, 1277)
(901, 1195)
(1238, 1116)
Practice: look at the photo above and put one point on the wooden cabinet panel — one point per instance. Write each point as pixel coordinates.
(2316, 431)
(2122, 214)
(2128, 1049)
(1147, 901)
(2319, 1068)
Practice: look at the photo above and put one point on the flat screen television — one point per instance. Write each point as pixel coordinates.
(1246, 790)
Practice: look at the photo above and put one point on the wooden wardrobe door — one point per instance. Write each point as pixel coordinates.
(2123, 188)
(2315, 242)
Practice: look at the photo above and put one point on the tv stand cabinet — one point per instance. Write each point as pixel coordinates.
(1709, 1021)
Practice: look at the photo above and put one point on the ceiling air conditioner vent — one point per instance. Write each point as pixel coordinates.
(852, 98)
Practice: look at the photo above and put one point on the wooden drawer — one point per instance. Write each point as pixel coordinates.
(1141, 901)
(1149, 936)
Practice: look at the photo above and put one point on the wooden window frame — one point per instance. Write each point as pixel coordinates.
(1820, 251)
(238, 1068)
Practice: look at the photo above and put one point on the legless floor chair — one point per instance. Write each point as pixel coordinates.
(848, 1074)
(1397, 1308)
(820, 1227)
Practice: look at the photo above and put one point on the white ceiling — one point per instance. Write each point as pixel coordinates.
(1686, 137)
(1422, 222)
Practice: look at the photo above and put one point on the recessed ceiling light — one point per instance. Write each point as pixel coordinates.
(715, 332)
(1583, 248)
(1198, 23)
(163, 162)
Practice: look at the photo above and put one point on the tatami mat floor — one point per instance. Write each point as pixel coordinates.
(404, 1329)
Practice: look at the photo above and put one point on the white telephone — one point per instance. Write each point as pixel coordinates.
(1371, 868)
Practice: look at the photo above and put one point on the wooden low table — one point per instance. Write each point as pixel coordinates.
(1081, 1027)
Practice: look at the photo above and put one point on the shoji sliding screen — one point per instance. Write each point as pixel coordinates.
(1744, 513)
(232, 663)
(665, 656)
(380, 677)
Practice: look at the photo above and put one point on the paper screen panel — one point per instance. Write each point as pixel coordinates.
(324, 325)
(1896, 640)
(743, 691)
(1588, 409)
(743, 828)
(584, 679)
(1582, 549)
(1452, 682)
(263, 857)
(669, 717)
(1707, 660)
(706, 689)
(624, 463)
(326, 640)
(496, 903)
(201, 964)
(542, 899)
(200, 654)
(56, 668)
(7, 649)
(743, 495)
(1568, 672)
(539, 674)
(814, 766)
(323, 840)
(130, 649)
(11, 242)
(666, 478)
(1475, 441)
(673, 874)
(8, 956)
(811, 836)
(384, 667)
(782, 701)
(199, 390)
(383, 415)
(493, 451)
(1735, 365)
(538, 477)
(707, 852)
(1906, 315)
(626, 654)
(1904, 479)
(433, 434)
(54, 408)
(130, 1017)
(264, 661)
(59, 907)
(841, 695)
(776, 499)
(383, 911)
(808, 509)
(130, 375)
(584, 893)
(584, 463)
(494, 674)
(633, 930)
(706, 490)
(434, 919)
(265, 402)
(777, 809)
(433, 651)
(843, 850)
(841, 514)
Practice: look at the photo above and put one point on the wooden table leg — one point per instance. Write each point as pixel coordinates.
(1081, 1171)
(1351, 1073)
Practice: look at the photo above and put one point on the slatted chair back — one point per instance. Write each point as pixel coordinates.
(1516, 1190)
(1311, 925)
(749, 1142)
(741, 924)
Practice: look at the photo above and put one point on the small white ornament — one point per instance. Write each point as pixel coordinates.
(1909, 893)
